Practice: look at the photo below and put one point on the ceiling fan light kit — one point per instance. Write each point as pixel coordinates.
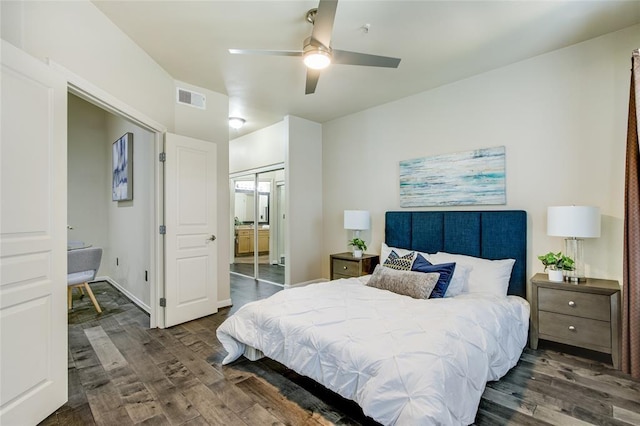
(317, 59)
(317, 52)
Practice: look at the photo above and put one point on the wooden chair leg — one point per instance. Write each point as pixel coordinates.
(92, 297)
(69, 297)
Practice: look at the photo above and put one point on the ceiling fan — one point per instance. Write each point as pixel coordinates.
(317, 52)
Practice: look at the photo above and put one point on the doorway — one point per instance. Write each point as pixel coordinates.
(94, 219)
(258, 224)
(154, 276)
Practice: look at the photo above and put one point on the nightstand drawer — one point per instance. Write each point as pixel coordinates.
(345, 268)
(585, 305)
(574, 330)
(344, 265)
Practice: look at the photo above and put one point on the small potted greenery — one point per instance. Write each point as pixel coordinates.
(359, 246)
(555, 264)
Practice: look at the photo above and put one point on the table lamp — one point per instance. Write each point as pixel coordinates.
(574, 223)
(357, 220)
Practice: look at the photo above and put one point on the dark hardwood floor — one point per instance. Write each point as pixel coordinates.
(266, 272)
(122, 373)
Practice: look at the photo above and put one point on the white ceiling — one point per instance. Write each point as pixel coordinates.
(439, 42)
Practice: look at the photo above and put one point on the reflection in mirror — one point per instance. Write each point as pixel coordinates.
(258, 228)
(242, 210)
(245, 199)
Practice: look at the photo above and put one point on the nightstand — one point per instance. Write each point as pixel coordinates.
(344, 265)
(585, 315)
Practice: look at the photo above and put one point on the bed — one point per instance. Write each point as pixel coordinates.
(404, 360)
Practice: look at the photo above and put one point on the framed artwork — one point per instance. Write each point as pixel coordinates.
(461, 179)
(122, 167)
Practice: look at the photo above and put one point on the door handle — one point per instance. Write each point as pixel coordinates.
(211, 238)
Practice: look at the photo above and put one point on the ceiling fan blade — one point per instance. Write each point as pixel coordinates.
(323, 23)
(354, 58)
(312, 81)
(265, 52)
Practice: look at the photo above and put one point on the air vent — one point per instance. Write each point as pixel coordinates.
(194, 99)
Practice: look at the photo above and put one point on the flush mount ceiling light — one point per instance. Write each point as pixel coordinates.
(236, 122)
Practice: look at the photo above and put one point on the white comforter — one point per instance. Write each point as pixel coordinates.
(404, 361)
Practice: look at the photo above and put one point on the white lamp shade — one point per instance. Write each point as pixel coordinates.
(357, 219)
(573, 221)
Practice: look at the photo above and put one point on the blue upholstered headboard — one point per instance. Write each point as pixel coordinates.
(494, 234)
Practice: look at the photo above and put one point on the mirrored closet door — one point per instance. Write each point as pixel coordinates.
(257, 210)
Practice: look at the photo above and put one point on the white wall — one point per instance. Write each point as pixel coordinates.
(562, 117)
(76, 35)
(129, 223)
(303, 171)
(261, 148)
(88, 181)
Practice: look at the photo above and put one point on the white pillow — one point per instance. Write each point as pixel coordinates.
(458, 281)
(385, 251)
(485, 276)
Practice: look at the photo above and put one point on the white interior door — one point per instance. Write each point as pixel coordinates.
(191, 288)
(33, 253)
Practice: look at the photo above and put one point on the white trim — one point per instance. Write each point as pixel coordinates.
(320, 280)
(224, 303)
(271, 168)
(99, 97)
(126, 292)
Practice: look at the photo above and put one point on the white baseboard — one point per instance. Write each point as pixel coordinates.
(140, 303)
(224, 303)
(127, 293)
(320, 280)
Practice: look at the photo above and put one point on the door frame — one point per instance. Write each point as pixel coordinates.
(82, 88)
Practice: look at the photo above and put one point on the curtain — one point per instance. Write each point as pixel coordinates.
(631, 265)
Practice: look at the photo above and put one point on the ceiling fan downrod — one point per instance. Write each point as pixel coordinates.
(311, 15)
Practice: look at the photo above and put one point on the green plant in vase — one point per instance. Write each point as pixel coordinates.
(555, 263)
(359, 246)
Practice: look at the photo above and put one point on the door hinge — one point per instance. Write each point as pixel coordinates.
(163, 229)
(163, 302)
(163, 157)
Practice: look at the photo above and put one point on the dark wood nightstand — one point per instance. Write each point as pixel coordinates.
(586, 315)
(344, 265)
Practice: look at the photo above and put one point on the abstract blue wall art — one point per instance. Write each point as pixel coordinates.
(122, 166)
(461, 179)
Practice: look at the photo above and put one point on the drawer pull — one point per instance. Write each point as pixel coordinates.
(572, 328)
(572, 303)
(344, 267)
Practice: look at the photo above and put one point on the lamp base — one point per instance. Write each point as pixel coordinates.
(573, 248)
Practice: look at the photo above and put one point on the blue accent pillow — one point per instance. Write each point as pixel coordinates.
(446, 273)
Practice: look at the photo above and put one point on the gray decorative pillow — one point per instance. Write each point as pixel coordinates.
(418, 285)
